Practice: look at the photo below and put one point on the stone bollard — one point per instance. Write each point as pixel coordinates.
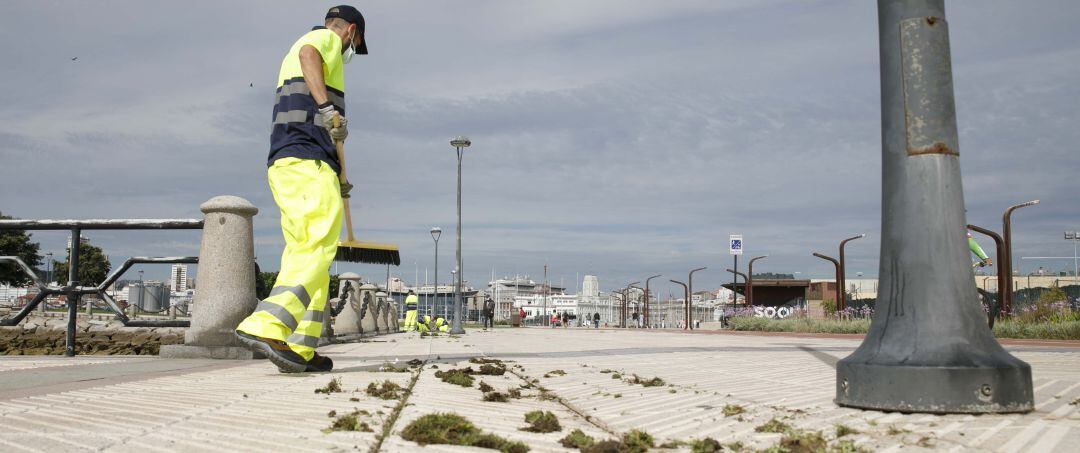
(380, 318)
(369, 310)
(348, 321)
(226, 277)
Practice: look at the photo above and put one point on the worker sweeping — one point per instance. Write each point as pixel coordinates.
(303, 176)
(410, 312)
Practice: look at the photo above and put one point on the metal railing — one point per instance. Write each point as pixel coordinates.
(72, 290)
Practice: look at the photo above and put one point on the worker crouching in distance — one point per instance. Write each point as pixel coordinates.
(430, 324)
(304, 177)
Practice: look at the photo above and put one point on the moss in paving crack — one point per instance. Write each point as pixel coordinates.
(557, 373)
(616, 376)
(496, 397)
(607, 446)
(350, 422)
(514, 393)
(733, 409)
(773, 426)
(484, 387)
(334, 386)
(638, 441)
(706, 445)
(654, 382)
(735, 446)
(799, 441)
(541, 422)
(484, 360)
(387, 390)
(846, 446)
(606, 371)
(844, 430)
(456, 377)
(893, 430)
(388, 367)
(453, 429)
(488, 369)
(577, 439)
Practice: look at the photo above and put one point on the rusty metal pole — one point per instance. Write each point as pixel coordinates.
(1000, 255)
(690, 288)
(836, 265)
(1006, 235)
(842, 304)
(642, 292)
(626, 298)
(928, 348)
(648, 312)
(686, 302)
(750, 281)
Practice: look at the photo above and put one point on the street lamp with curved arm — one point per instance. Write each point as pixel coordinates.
(690, 287)
(750, 281)
(647, 311)
(642, 292)
(626, 297)
(842, 304)
(1007, 266)
(836, 264)
(686, 302)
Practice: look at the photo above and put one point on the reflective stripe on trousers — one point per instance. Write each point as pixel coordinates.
(309, 197)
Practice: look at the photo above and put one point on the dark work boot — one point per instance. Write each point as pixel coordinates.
(279, 353)
(319, 364)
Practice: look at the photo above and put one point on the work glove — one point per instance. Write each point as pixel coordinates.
(988, 262)
(345, 188)
(336, 133)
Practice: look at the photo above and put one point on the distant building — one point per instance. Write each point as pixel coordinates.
(504, 291)
(178, 278)
(590, 287)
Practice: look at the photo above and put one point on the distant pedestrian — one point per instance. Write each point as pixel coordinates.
(489, 313)
(565, 319)
(596, 320)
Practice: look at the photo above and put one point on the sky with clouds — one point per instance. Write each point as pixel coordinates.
(618, 138)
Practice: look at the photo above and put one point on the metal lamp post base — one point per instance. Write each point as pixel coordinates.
(999, 388)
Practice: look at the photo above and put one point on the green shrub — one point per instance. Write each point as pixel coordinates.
(577, 439)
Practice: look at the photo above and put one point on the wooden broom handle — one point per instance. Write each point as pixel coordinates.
(340, 145)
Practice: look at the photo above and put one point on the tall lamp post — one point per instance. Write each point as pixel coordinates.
(686, 302)
(690, 288)
(625, 299)
(1073, 236)
(48, 279)
(638, 311)
(836, 264)
(842, 304)
(436, 232)
(1007, 266)
(648, 312)
(460, 143)
(750, 281)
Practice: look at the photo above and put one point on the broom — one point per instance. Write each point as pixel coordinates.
(352, 250)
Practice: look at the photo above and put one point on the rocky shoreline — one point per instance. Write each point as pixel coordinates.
(38, 335)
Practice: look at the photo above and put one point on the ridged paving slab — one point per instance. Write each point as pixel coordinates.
(249, 406)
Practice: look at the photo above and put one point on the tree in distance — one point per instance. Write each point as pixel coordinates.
(17, 243)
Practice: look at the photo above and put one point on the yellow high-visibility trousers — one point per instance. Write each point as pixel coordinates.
(410, 321)
(309, 196)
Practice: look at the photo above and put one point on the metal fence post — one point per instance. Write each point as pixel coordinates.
(929, 348)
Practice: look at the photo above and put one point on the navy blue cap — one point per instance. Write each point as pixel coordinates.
(352, 16)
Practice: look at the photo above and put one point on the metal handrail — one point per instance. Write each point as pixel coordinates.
(73, 290)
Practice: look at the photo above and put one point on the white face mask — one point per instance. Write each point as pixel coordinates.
(349, 52)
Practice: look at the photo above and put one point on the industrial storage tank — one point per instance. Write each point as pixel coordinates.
(149, 296)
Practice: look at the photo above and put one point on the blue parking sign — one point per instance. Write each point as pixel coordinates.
(735, 244)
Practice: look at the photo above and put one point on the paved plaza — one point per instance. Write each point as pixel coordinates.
(143, 404)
